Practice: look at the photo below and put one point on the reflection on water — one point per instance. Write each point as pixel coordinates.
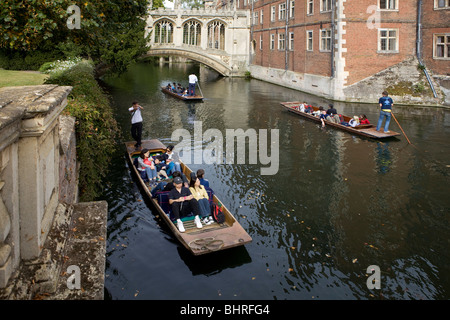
(337, 205)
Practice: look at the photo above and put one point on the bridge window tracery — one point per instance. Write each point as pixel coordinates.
(216, 35)
(192, 33)
(163, 32)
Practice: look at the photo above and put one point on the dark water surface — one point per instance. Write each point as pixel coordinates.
(338, 204)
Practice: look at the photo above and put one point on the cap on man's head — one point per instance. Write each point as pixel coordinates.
(177, 180)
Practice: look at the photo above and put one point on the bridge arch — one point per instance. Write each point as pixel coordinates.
(192, 54)
(218, 39)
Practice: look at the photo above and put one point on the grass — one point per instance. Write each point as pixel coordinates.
(11, 78)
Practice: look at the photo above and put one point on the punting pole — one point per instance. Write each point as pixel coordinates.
(401, 128)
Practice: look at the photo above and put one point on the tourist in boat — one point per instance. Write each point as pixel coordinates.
(354, 121)
(145, 163)
(323, 116)
(363, 119)
(200, 194)
(331, 110)
(201, 176)
(170, 154)
(168, 185)
(136, 123)
(192, 82)
(183, 203)
(318, 112)
(160, 167)
(386, 104)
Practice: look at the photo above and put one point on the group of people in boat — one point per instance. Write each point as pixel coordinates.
(178, 89)
(164, 173)
(332, 115)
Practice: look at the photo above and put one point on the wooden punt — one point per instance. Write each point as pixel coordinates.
(366, 130)
(210, 238)
(180, 96)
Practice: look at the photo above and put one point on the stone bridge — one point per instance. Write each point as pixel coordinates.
(217, 38)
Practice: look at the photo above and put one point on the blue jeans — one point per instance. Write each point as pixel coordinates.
(192, 89)
(204, 207)
(387, 115)
(159, 187)
(151, 173)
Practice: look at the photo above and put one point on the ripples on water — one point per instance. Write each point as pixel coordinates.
(337, 205)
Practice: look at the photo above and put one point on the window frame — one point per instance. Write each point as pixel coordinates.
(273, 13)
(329, 4)
(272, 41)
(397, 41)
(309, 6)
(321, 49)
(387, 4)
(281, 40)
(282, 11)
(445, 7)
(308, 39)
(446, 45)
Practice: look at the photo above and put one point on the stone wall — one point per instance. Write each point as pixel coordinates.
(31, 154)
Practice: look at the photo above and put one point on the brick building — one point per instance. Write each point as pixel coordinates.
(349, 50)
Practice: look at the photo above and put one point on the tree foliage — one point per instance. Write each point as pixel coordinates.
(111, 31)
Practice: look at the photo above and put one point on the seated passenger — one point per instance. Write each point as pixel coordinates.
(168, 185)
(201, 176)
(323, 116)
(302, 107)
(170, 154)
(200, 194)
(363, 119)
(354, 122)
(318, 112)
(145, 163)
(331, 110)
(183, 203)
(160, 167)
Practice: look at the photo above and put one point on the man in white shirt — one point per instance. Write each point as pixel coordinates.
(192, 81)
(136, 123)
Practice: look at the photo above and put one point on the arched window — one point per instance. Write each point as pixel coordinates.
(216, 35)
(192, 33)
(163, 31)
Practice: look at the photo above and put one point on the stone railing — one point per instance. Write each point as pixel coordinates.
(37, 169)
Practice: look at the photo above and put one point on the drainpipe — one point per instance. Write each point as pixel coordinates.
(419, 46)
(286, 37)
(333, 13)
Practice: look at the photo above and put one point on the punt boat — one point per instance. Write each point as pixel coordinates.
(366, 130)
(210, 238)
(180, 96)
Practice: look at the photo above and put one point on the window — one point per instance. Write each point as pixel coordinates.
(325, 5)
(192, 33)
(282, 11)
(442, 46)
(388, 4)
(163, 32)
(325, 40)
(310, 7)
(255, 17)
(272, 41)
(291, 41)
(260, 42)
(216, 35)
(388, 40)
(309, 40)
(442, 4)
(281, 41)
(261, 16)
(272, 13)
(291, 9)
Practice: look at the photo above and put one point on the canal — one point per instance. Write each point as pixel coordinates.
(337, 204)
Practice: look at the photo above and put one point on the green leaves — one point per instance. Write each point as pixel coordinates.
(30, 25)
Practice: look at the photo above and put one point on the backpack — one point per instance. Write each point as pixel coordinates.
(217, 213)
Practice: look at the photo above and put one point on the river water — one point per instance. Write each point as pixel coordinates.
(337, 204)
